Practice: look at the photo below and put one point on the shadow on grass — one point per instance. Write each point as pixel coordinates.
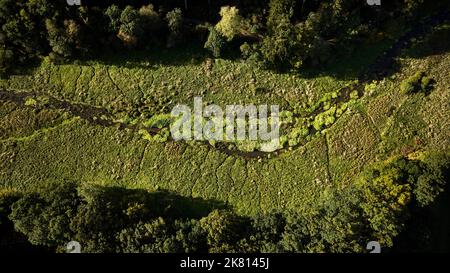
(162, 203)
(189, 52)
(377, 60)
(351, 65)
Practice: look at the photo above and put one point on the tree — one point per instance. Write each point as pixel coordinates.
(386, 196)
(231, 22)
(215, 42)
(64, 40)
(224, 230)
(189, 236)
(103, 212)
(174, 20)
(113, 14)
(432, 181)
(150, 18)
(276, 48)
(267, 230)
(7, 199)
(279, 10)
(131, 26)
(412, 6)
(145, 238)
(45, 218)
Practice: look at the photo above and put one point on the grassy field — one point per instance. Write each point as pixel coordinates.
(42, 142)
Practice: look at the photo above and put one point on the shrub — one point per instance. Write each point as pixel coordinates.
(276, 49)
(386, 194)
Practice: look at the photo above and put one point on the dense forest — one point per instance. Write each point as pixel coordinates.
(394, 197)
(276, 33)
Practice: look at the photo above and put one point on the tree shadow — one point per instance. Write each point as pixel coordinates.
(162, 203)
(375, 60)
(436, 43)
(189, 52)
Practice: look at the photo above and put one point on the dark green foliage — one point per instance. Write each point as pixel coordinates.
(65, 39)
(223, 230)
(279, 11)
(113, 219)
(292, 34)
(387, 194)
(7, 198)
(305, 42)
(277, 48)
(45, 219)
(151, 237)
(412, 6)
(433, 179)
(335, 225)
(131, 26)
(267, 232)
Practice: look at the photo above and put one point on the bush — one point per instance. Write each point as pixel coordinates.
(7, 198)
(150, 20)
(419, 82)
(246, 50)
(387, 194)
